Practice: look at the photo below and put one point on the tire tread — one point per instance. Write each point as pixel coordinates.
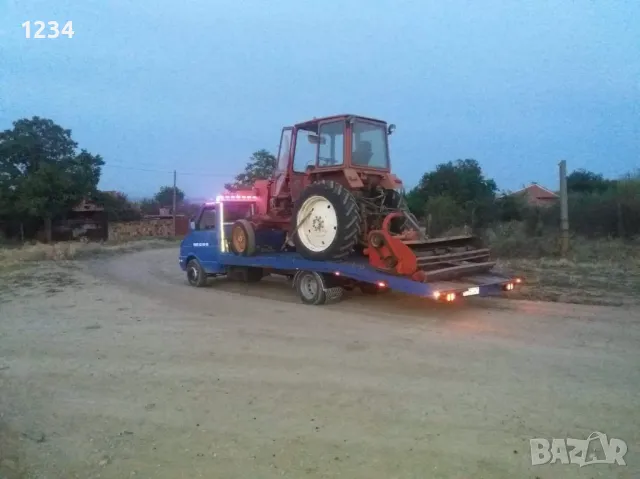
(349, 217)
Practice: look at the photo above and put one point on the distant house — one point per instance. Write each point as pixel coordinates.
(536, 195)
(86, 220)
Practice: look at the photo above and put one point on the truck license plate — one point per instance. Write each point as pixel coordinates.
(472, 291)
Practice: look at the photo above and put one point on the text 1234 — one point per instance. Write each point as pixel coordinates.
(53, 30)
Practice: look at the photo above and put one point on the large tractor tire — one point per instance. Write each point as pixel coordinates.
(326, 222)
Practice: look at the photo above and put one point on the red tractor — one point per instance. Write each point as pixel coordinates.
(333, 194)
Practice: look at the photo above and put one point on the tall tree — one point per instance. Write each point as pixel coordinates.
(164, 197)
(463, 182)
(43, 174)
(261, 166)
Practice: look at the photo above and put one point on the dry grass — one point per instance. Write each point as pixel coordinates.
(602, 282)
(596, 271)
(510, 240)
(15, 256)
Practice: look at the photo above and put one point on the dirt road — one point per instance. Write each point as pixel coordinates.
(122, 370)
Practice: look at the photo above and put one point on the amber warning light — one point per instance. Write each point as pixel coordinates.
(446, 296)
(223, 198)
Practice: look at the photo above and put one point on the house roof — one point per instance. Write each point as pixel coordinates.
(536, 190)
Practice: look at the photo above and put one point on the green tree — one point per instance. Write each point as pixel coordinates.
(164, 197)
(583, 181)
(149, 206)
(43, 174)
(464, 183)
(117, 206)
(261, 166)
(7, 190)
(510, 207)
(443, 214)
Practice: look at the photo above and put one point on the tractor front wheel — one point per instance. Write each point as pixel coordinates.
(326, 222)
(243, 238)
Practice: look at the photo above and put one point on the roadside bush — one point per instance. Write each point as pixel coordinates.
(512, 240)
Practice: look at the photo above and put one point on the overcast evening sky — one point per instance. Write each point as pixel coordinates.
(199, 85)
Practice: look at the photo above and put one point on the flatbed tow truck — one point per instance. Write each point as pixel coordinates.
(205, 252)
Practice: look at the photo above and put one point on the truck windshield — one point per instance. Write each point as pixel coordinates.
(369, 145)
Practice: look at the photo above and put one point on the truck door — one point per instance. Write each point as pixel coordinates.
(205, 238)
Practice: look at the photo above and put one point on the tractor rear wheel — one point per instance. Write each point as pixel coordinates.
(326, 222)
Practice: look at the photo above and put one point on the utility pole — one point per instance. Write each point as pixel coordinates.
(564, 210)
(174, 203)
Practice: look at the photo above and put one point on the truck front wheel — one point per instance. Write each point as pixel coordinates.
(196, 275)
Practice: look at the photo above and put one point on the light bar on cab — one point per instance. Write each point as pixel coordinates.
(223, 198)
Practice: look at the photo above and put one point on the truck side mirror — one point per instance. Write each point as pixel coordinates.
(192, 224)
(391, 129)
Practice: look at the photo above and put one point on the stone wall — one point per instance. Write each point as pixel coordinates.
(161, 227)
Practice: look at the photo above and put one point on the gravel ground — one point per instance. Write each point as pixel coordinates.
(116, 368)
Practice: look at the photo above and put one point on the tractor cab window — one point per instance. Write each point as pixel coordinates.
(283, 153)
(305, 152)
(331, 139)
(369, 145)
(207, 219)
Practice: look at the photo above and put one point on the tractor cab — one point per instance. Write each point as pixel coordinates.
(327, 147)
(344, 141)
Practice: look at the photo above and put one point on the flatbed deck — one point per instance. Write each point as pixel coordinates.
(358, 270)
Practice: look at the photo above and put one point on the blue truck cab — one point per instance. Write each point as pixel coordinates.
(207, 242)
(206, 252)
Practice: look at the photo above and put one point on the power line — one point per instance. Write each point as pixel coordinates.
(108, 165)
(183, 173)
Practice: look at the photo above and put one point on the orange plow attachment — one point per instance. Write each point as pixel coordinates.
(436, 259)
